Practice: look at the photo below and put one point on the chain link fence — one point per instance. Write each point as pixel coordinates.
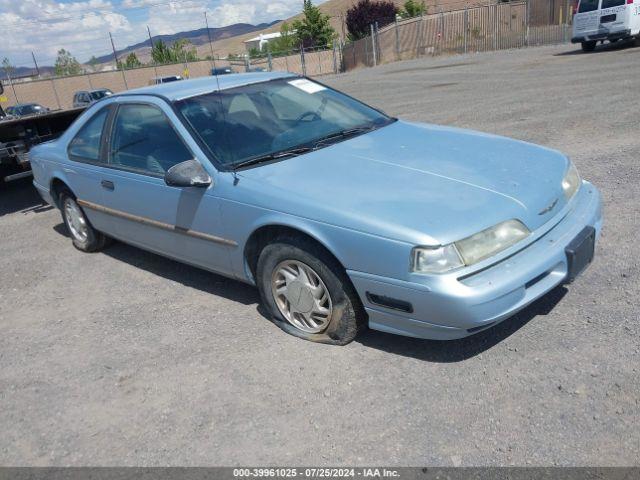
(486, 27)
(476, 29)
(57, 93)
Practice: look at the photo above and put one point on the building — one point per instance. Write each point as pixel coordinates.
(260, 41)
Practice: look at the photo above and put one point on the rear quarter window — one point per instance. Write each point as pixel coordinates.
(588, 5)
(612, 3)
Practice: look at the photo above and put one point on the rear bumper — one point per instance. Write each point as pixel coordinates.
(445, 307)
(602, 35)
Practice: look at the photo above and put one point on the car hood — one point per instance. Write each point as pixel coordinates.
(418, 183)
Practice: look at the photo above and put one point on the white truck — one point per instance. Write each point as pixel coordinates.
(599, 20)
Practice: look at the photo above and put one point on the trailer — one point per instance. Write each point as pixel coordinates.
(18, 135)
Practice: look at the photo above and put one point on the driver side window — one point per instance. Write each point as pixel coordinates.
(144, 141)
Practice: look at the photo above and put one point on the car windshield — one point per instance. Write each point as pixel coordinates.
(275, 117)
(99, 94)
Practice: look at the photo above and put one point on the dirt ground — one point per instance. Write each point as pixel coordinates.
(127, 358)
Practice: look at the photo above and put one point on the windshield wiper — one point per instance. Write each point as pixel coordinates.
(272, 156)
(348, 132)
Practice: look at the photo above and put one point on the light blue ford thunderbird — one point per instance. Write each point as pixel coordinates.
(342, 216)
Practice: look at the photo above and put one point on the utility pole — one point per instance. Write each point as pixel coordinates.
(36, 64)
(155, 68)
(12, 86)
(115, 56)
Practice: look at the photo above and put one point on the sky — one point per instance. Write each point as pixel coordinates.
(82, 26)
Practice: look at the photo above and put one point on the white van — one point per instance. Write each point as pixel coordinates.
(600, 20)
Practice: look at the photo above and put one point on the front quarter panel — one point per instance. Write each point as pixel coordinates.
(354, 250)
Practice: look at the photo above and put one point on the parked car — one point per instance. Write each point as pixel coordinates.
(342, 216)
(4, 116)
(600, 20)
(222, 71)
(85, 98)
(26, 109)
(167, 79)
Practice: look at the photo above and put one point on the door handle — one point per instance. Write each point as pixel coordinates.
(107, 184)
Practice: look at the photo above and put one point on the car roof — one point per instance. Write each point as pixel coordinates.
(199, 86)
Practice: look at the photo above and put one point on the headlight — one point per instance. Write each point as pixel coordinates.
(571, 181)
(435, 260)
(469, 250)
(491, 241)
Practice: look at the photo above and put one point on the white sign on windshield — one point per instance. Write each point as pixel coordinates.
(306, 86)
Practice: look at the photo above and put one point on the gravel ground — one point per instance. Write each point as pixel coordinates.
(126, 358)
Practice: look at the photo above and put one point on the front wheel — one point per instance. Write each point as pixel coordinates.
(589, 46)
(308, 294)
(83, 235)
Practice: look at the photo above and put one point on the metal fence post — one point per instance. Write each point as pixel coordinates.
(55, 94)
(419, 41)
(495, 26)
(12, 87)
(397, 40)
(442, 31)
(378, 50)
(115, 57)
(527, 15)
(269, 59)
(373, 45)
(304, 67)
(466, 28)
(335, 58)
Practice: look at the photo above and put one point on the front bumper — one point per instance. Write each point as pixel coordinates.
(451, 306)
(602, 35)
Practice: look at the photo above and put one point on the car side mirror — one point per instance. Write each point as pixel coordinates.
(187, 174)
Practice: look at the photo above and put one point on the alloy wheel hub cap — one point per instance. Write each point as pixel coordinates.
(301, 296)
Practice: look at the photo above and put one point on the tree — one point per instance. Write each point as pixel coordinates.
(314, 30)
(181, 51)
(66, 64)
(286, 42)
(161, 53)
(255, 53)
(365, 13)
(184, 51)
(413, 9)
(93, 63)
(132, 61)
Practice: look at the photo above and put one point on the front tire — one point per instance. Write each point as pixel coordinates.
(84, 237)
(308, 295)
(589, 46)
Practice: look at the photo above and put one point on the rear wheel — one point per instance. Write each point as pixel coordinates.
(589, 46)
(308, 293)
(83, 235)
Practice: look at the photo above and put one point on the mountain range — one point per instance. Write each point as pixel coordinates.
(142, 49)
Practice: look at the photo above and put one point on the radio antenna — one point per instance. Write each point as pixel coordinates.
(213, 57)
